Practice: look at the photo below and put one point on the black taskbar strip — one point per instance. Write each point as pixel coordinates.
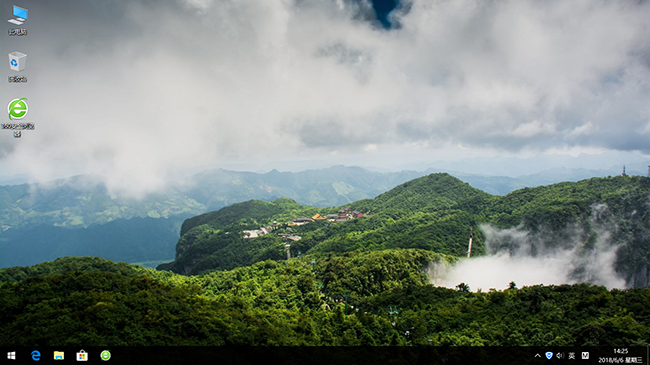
(323, 355)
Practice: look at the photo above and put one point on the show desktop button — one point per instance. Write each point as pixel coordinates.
(36, 355)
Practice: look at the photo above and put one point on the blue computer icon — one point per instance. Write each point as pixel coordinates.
(20, 14)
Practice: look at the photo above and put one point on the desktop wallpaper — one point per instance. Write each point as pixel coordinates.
(326, 172)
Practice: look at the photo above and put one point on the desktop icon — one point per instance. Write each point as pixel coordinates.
(11, 355)
(58, 355)
(17, 108)
(17, 61)
(82, 356)
(106, 355)
(20, 14)
(36, 355)
(549, 355)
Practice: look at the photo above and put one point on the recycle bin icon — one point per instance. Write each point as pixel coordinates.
(17, 61)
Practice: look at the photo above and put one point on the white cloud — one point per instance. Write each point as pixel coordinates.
(585, 129)
(200, 82)
(532, 259)
(532, 129)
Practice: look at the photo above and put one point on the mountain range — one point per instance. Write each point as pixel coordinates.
(62, 217)
(437, 212)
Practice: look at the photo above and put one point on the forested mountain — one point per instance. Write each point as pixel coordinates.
(84, 200)
(358, 298)
(49, 215)
(363, 281)
(436, 213)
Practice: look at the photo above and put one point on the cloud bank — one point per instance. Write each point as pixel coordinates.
(135, 92)
(545, 258)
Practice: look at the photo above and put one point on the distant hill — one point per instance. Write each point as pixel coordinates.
(502, 185)
(435, 213)
(329, 187)
(131, 240)
(81, 201)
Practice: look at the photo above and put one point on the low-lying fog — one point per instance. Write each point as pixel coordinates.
(534, 258)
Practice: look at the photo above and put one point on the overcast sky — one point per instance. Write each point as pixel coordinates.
(139, 90)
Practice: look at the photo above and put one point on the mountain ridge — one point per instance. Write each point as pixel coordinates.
(84, 201)
(436, 213)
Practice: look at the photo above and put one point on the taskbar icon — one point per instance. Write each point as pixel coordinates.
(82, 356)
(105, 355)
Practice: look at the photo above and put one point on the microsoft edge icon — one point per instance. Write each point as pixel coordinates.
(36, 355)
(549, 355)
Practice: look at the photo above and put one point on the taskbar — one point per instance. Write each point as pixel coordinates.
(347, 355)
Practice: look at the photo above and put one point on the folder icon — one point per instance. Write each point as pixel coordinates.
(58, 355)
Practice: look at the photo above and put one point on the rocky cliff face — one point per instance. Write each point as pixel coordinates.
(640, 278)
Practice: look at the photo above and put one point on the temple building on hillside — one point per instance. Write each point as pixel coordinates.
(300, 221)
